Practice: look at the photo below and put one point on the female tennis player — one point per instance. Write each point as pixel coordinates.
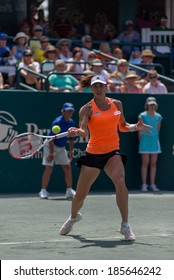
(103, 117)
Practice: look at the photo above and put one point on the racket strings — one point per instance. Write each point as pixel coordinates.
(25, 145)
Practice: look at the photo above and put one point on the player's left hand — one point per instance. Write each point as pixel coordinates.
(140, 126)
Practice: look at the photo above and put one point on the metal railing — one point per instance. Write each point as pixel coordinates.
(20, 83)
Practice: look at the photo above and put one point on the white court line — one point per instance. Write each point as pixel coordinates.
(109, 238)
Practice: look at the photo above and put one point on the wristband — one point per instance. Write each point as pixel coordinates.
(132, 127)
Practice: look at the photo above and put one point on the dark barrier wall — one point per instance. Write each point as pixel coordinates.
(27, 111)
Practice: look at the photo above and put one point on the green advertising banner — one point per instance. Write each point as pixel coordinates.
(27, 111)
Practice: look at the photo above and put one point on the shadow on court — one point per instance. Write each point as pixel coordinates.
(29, 228)
(100, 243)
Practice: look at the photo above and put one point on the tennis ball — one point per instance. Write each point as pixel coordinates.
(56, 129)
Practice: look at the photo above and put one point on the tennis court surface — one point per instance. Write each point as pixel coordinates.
(29, 228)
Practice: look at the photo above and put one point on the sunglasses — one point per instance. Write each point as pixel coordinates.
(38, 30)
(51, 52)
(28, 55)
(65, 45)
(153, 77)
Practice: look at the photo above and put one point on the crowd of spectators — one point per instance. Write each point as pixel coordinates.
(34, 48)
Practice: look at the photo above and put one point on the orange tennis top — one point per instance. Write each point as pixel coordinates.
(103, 128)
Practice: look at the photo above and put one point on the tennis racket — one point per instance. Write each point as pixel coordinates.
(26, 145)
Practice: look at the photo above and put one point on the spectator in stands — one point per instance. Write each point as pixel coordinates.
(7, 60)
(62, 27)
(130, 85)
(90, 57)
(135, 57)
(61, 82)
(122, 68)
(110, 32)
(114, 43)
(50, 55)
(114, 83)
(128, 37)
(147, 63)
(76, 64)
(162, 26)
(29, 63)
(104, 48)
(154, 85)
(42, 21)
(63, 46)
(86, 46)
(101, 22)
(78, 25)
(145, 21)
(26, 28)
(97, 67)
(149, 146)
(33, 13)
(35, 40)
(21, 44)
(39, 52)
(118, 54)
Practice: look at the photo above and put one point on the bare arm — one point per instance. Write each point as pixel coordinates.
(127, 127)
(84, 115)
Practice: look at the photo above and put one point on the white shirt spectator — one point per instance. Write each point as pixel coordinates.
(158, 88)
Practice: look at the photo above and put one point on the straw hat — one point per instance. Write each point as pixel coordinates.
(96, 62)
(147, 53)
(50, 49)
(122, 61)
(132, 74)
(21, 35)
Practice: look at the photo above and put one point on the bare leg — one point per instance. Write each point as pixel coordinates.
(86, 178)
(46, 176)
(144, 167)
(68, 175)
(115, 170)
(153, 164)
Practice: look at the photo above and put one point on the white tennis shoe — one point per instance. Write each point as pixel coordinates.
(68, 225)
(154, 188)
(144, 188)
(70, 193)
(127, 232)
(43, 194)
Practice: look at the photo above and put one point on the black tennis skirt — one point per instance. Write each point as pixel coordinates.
(99, 161)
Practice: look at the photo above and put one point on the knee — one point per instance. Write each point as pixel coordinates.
(120, 182)
(153, 164)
